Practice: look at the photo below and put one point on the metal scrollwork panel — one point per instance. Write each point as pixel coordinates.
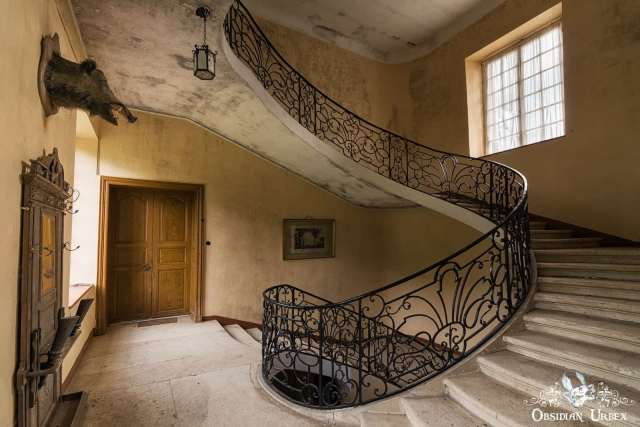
(331, 355)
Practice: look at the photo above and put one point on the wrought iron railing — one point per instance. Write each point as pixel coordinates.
(328, 355)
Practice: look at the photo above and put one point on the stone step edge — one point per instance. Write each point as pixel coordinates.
(588, 283)
(481, 409)
(243, 336)
(602, 332)
(589, 368)
(506, 379)
(589, 301)
(584, 335)
(624, 268)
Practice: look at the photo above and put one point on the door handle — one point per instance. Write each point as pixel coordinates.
(145, 267)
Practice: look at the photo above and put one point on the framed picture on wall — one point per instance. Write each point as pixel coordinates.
(309, 238)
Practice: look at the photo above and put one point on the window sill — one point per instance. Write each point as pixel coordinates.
(76, 292)
(524, 146)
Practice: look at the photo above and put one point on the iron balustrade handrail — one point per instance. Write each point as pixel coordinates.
(325, 354)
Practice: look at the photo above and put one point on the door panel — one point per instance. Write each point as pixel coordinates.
(150, 254)
(131, 246)
(129, 294)
(172, 258)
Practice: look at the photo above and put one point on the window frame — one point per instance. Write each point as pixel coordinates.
(517, 45)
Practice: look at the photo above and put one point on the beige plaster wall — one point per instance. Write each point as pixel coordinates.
(246, 199)
(84, 261)
(375, 91)
(589, 177)
(25, 134)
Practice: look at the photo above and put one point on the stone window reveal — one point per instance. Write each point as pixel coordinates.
(524, 93)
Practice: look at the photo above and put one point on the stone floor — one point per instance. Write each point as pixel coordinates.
(178, 374)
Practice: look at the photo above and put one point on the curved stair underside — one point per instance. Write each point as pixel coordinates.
(155, 74)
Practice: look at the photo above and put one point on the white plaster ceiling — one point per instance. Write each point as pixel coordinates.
(390, 31)
(144, 48)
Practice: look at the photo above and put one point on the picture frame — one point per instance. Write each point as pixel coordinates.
(308, 238)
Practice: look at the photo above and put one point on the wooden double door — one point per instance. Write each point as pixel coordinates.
(151, 261)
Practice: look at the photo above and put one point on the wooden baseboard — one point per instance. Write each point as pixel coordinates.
(76, 364)
(228, 321)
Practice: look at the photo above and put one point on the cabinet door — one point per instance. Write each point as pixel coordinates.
(172, 253)
(131, 249)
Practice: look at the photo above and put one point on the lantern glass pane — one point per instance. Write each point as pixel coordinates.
(202, 59)
(212, 63)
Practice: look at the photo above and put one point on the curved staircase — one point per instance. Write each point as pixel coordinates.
(385, 344)
(583, 319)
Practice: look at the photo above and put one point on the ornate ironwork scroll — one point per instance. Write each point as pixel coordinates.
(331, 355)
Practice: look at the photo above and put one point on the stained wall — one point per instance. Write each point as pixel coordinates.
(26, 134)
(588, 177)
(246, 199)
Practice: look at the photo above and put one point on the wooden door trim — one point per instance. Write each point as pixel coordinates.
(106, 185)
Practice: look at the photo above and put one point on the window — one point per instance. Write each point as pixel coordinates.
(523, 92)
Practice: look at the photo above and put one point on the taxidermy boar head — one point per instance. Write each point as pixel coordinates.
(73, 85)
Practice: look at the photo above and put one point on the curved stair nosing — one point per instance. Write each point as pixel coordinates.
(590, 333)
(438, 412)
(238, 333)
(590, 270)
(575, 364)
(617, 309)
(255, 333)
(531, 385)
(593, 291)
(564, 256)
(492, 401)
(575, 243)
(461, 214)
(586, 310)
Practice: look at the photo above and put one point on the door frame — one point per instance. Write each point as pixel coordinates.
(106, 186)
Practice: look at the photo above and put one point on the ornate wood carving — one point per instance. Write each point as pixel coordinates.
(44, 330)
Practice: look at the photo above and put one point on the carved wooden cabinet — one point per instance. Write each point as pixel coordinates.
(43, 327)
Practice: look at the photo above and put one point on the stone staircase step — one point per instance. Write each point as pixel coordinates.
(240, 335)
(383, 420)
(537, 225)
(595, 287)
(600, 271)
(550, 234)
(439, 412)
(532, 377)
(496, 403)
(613, 333)
(586, 242)
(629, 256)
(255, 333)
(599, 361)
(610, 308)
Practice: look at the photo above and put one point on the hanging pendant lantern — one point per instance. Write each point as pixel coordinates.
(204, 61)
